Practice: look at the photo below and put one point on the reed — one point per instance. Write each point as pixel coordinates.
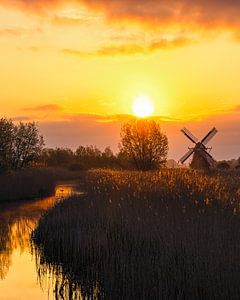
(26, 184)
(172, 234)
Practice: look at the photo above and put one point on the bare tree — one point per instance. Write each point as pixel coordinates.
(144, 144)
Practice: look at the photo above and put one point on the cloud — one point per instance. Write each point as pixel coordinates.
(11, 31)
(47, 107)
(97, 118)
(184, 13)
(174, 12)
(63, 20)
(130, 49)
(236, 108)
(121, 118)
(16, 32)
(21, 118)
(56, 112)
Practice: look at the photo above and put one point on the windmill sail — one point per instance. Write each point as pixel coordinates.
(202, 159)
(188, 134)
(209, 155)
(186, 156)
(209, 136)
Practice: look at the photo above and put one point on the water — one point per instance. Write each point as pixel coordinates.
(19, 278)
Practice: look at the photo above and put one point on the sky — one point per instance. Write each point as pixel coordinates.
(76, 67)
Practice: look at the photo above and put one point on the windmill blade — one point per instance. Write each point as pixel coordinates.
(209, 155)
(186, 156)
(188, 134)
(209, 136)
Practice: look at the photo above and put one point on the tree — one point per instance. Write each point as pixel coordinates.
(6, 141)
(27, 145)
(143, 142)
(223, 165)
(89, 156)
(20, 145)
(60, 157)
(107, 153)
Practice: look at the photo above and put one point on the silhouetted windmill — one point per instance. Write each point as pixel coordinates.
(201, 157)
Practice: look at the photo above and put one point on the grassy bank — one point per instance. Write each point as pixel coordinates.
(163, 235)
(32, 183)
(26, 184)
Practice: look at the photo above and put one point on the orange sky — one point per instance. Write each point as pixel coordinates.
(77, 66)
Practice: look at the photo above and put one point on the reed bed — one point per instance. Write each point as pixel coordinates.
(26, 184)
(172, 234)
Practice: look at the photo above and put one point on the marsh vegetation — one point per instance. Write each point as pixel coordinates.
(26, 184)
(169, 234)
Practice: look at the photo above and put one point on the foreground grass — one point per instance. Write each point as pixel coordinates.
(163, 235)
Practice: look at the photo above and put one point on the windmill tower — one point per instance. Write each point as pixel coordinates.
(201, 157)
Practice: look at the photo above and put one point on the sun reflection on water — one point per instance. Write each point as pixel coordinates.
(17, 263)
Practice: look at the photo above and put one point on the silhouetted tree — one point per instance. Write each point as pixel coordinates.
(59, 157)
(89, 156)
(143, 143)
(238, 163)
(20, 145)
(6, 142)
(27, 145)
(107, 153)
(108, 159)
(223, 165)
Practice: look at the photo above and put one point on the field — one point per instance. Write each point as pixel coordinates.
(172, 234)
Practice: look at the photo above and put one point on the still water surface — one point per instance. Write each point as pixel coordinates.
(19, 278)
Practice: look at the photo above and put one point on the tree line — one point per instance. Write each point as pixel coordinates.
(83, 158)
(142, 146)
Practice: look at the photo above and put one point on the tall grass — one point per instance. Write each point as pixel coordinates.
(173, 234)
(26, 184)
(33, 182)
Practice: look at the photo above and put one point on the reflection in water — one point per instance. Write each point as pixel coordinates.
(66, 285)
(17, 267)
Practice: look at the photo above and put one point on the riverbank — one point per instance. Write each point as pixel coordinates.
(172, 235)
(33, 183)
(17, 221)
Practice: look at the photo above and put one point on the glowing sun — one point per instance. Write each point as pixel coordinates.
(143, 107)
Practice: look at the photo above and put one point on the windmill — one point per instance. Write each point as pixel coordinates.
(201, 156)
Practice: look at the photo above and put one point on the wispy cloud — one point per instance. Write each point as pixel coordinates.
(45, 112)
(130, 49)
(11, 31)
(19, 31)
(47, 107)
(21, 118)
(121, 118)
